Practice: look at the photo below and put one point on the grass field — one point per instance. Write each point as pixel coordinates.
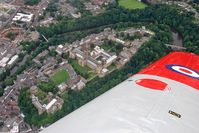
(60, 76)
(131, 4)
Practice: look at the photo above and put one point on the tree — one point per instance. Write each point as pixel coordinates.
(31, 2)
(11, 35)
(1, 92)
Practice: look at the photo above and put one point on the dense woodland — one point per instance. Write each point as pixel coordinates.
(159, 18)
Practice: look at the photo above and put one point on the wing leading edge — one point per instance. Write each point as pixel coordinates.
(158, 99)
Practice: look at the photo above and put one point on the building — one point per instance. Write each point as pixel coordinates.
(37, 104)
(27, 18)
(13, 60)
(40, 56)
(61, 49)
(80, 85)
(15, 128)
(62, 87)
(4, 61)
(54, 105)
(34, 89)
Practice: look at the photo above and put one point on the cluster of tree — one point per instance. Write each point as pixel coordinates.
(164, 14)
(5, 73)
(196, 1)
(31, 2)
(1, 92)
(11, 35)
(112, 46)
(137, 35)
(77, 3)
(84, 73)
(48, 87)
(149, 52)
(52, 7)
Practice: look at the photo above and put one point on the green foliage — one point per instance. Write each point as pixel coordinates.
(41, 95)
(29, 46)
(3, 74)
(11, 35)
(137, 35)
(77, 3)
(162, 14)
(1, 123)
(52, 7)
(1, 92)
(83, 71)
(53, 53)
(31, 2)
(30, 112)
(107, 45)
(131, 4)
(48, 87)
(112, 46)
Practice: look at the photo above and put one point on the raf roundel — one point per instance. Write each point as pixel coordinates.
(184, 70)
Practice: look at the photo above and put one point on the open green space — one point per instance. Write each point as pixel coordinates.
(83, 71)
(60, 76)
(131, 4)
(112, 67)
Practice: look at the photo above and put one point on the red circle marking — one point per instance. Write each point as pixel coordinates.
(186, 71)
(152, 84)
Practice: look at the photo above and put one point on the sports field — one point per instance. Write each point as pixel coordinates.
(131, 4)
(60, 76)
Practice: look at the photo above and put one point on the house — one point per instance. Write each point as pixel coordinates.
(13, 60)
(34, 89)
(61, 49)
(80, 85)
(37, 104)
(40, 56)
(62, 87)
(4, 61)
(27, 18)
(54, 105)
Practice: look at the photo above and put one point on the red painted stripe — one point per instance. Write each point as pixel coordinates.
(152, 84)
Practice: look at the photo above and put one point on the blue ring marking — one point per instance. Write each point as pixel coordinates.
(171, 65)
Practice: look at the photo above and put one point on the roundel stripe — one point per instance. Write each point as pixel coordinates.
(183, 70)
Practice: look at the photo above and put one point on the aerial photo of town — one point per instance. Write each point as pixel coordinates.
(58, 55)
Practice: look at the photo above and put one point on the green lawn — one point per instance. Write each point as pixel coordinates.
(131, 4)
(60, 76)
(85, 72)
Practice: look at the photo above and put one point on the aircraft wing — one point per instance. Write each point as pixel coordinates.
(162, 98)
